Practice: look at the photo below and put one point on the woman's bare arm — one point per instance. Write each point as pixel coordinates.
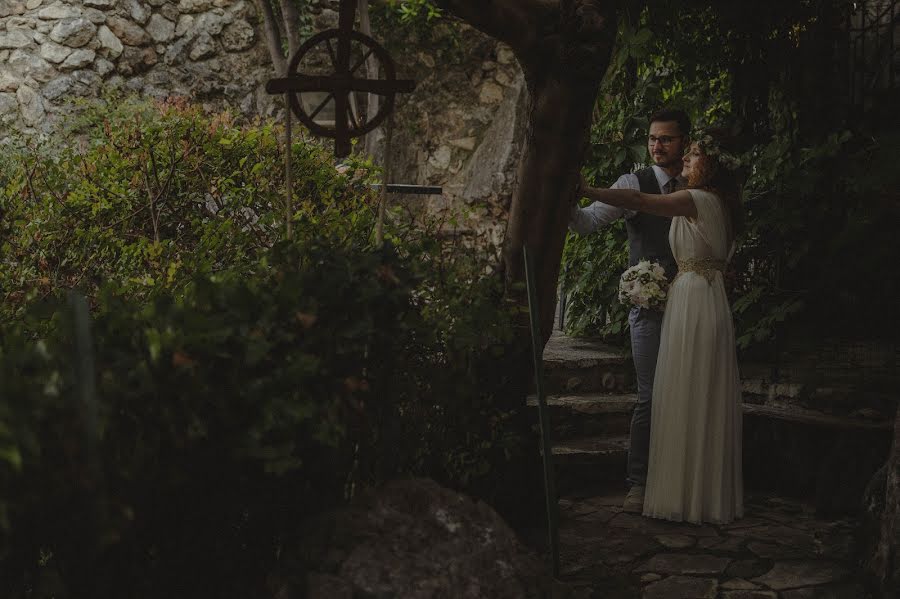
(679, 203)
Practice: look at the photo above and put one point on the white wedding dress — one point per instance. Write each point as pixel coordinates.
(695, 472)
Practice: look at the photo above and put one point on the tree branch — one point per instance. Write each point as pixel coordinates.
(291, 17)
(515, 22)
(273, 36)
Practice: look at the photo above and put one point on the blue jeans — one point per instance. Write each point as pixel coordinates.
(645, 330)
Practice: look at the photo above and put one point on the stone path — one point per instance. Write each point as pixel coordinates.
(779, 550)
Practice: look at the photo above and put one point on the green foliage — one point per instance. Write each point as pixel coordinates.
(815, 187)
(244, 381)
(151, 197)
(415, 11)
(818, 237)
(400, 24)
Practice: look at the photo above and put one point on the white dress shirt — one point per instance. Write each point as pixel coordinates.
(587, 220)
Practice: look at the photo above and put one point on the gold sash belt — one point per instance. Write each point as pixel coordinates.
(704, 266)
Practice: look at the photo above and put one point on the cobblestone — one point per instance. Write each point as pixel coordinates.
(764, 555)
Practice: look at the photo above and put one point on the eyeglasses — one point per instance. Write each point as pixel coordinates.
(663, 139)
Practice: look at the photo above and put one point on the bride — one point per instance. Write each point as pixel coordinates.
(695, 436)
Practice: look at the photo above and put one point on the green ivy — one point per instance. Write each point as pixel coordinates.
(815, 189)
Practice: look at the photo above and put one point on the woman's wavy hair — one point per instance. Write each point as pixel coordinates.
(720, 179)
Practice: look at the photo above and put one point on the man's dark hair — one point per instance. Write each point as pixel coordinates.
(673, 115)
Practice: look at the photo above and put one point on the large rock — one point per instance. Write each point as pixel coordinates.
(58, 87)
(138, 11)
(55, 53)
(31, 65)
(31, 105)
(415, 539)
(97, 17)
(11, 7)
(17, 38)
(238, 36)
(78, 59)
(160, 28)
(9, 81)
(104, 67)
(8, 103)
(203, 47)
(185, 24)
(191, 6)
(20, 23)
(59, 10)
(211, 23)
(73, 32)
(135, 61)
(881, 521)
(109, 41)
(129, 32)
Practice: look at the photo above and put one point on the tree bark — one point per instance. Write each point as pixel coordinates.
(291, 17)
(556, 141)
(273, 36)
(564, 48)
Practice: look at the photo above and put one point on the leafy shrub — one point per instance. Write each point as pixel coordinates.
(243, 380)
(149, 197)
(815, 193)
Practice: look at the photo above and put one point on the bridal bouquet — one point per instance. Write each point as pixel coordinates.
(644, 285)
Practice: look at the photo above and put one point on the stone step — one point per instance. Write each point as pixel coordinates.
(583, 462)
(588, 414)
(824, 459)
(816, 418)
(585, 365)
(579, 415)
(849, 404)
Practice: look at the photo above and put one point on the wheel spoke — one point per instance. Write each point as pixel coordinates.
(334, 61)
(315, 112)
(361, 61)
(352, 116)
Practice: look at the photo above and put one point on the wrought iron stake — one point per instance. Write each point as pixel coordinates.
(537, 346)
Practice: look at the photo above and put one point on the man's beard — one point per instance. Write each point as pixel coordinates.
(672, 162)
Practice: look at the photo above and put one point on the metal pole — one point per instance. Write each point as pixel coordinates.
(537, 346)
(288, 175)
(372, 100)
(382, 200)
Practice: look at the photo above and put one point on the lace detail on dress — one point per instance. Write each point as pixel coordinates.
(704, 266)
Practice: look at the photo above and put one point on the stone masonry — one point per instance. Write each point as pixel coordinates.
(461, 128)
(52, 51)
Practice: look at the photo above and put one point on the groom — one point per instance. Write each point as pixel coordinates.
(648, 239)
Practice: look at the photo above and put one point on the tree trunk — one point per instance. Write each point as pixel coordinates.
(564, 48)
(273, 36)
(556, 142)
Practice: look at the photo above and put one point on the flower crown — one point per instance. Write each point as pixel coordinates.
(711, 147)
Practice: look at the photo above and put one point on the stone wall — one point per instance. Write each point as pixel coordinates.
(54, 50)
(461, 128)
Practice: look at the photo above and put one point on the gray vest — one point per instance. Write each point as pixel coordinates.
(648, 234)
